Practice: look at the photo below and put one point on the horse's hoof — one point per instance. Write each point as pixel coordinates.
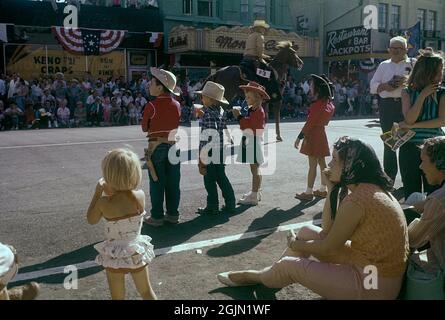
(279, 139)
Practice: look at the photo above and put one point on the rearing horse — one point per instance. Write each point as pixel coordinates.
(231, 77)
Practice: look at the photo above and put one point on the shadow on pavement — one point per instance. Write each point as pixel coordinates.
(86, 253)
(171, 235)
(258, 292)
(271, 219)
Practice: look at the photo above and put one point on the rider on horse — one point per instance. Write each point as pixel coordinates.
(254, 52)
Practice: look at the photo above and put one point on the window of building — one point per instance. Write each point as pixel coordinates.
(187, 6)
(421, 16)
(259, 9)
(432, 20)
(395, 17)
(383, 16)
(205, 8)
(244, 9)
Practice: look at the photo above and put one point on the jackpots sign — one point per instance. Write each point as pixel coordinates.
(345, 42)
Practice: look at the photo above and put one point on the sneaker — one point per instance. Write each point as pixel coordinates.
(207, 211)
(228, 210)
(27, 292)
(249, 200)
(171, 219)
(320, 194)
(154, 222)
(304, 196)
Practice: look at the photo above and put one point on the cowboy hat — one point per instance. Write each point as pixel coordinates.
(214, 91)
(167, 78)
(253, 86)
(261, 24)
(325, 80)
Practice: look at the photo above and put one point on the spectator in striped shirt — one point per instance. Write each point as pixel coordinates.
(423, 105)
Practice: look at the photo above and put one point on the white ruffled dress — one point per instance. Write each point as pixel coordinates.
(125, 247)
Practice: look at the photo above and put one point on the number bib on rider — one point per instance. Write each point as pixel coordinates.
(263, 73)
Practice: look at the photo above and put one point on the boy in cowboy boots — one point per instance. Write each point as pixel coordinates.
(211, 150)
(8, 270)
(161, 121)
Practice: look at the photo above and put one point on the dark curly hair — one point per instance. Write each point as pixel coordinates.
(435, 150)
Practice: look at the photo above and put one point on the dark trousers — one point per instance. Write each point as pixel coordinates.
(169, 176)
(412, 177)
(390, 111)
(216, 176)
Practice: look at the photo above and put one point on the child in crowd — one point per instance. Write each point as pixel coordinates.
(8, 269)
(63, 114)
(252, 124)
(106, 106)
(80, 114)
(211, 153)
(133, 114)
(14, 113)
(121, 204)
(96, 112)
(315, 142)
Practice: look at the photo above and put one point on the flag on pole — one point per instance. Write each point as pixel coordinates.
(155, 38)
(412, 36)
(88, 41)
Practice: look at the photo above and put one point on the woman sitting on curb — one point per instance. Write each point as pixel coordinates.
(365, 233)
(428, 227)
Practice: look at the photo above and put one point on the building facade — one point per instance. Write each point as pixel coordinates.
(205, 34)
(33, 50)
(350, 50)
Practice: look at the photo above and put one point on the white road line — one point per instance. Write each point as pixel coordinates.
(70, 144)
(169, 250)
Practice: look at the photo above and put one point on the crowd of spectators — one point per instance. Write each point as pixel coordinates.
(52, 102)
(56, 102)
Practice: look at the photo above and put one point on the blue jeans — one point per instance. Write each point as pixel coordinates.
(216, 176)
(169, 177)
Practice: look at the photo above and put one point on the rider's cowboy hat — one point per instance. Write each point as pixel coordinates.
(167, 78)
(261, 24)
(214, 91)
(253, 86)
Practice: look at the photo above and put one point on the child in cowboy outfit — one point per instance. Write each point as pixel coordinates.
(211, 150)
(161, 121)
(315, 142)
(121, 204)
(252, 124)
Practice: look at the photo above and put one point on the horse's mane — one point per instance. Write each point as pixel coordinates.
(284, 44)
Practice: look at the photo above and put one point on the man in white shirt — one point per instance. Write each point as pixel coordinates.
(388, 82)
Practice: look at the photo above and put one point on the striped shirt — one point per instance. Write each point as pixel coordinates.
(430, 111)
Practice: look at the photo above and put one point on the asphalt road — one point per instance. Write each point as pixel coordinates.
(47, 180)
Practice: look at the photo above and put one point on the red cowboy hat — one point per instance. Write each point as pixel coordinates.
(254, 86)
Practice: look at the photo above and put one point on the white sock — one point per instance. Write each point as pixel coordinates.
(309, 191)
(322, 188)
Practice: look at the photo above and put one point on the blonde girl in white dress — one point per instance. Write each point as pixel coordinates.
(121, 204)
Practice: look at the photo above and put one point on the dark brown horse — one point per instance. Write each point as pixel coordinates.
(231, 77)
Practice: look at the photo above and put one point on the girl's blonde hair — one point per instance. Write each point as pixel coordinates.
(121, 169)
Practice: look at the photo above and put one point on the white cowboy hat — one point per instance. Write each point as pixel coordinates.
(214, 91)
(261, 24)
(167, 78)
